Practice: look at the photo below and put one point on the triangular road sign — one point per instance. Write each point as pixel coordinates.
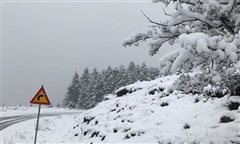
(40, 97)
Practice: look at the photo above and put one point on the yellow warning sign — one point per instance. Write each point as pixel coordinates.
(41, 97)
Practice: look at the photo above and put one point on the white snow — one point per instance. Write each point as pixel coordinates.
(137, 36)
(202, 46)
(6, 111)
(51, 130)
(216, 78)
(140, 117)
(167, 60)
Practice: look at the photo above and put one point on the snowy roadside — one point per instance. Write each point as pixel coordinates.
(51, 130)
(28, 110)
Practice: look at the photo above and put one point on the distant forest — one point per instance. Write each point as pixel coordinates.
(87, 90)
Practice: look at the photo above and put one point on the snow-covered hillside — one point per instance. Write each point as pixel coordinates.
(149, 112)
(154, 113)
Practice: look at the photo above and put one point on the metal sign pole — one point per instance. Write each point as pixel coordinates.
(35, 140)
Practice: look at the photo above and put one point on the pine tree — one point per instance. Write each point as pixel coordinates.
(121, 78)
(90, 88)
(136, 72)
(108, 78)
(100, 88)
(92, 93)
(153, 73)
(73, 92)
(84, 89)
(131, 77)
(143, 72)
(114, 81)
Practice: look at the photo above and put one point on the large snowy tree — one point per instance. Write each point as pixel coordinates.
(73, 92)
(84, 88)
(208, 32)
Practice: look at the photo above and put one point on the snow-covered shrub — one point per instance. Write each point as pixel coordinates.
(123, 91)
(215, 91)
(186, 126)
(163, 104)
(196, 100)
(226, 119)
(87, 119)
(191, 83)
(133, 134)
(156, 90)
(233, 84)
(202, 82)
(183, 83)
(233, 103)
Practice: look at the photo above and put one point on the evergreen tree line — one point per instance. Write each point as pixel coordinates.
(87, 90)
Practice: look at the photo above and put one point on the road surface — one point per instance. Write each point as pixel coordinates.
(11, 120)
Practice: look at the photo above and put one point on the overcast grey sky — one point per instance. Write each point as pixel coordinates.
(43, 43)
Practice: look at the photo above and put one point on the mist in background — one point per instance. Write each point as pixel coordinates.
(44, 43)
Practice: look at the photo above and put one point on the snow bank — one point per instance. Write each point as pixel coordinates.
(163, 117)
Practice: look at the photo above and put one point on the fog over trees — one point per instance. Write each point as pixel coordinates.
(209, 44)
(88, 89)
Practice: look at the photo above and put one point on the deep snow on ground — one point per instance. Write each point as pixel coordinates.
(51, 130)
(6, 111)
(152, 113)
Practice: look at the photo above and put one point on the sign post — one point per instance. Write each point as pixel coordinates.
(40, 98)
(35, 139)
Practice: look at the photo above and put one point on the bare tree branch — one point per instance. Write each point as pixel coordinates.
(166, 12)
(152, 21)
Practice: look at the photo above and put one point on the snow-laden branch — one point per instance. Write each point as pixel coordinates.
(212, 17)
(199, 49)
(136, 38)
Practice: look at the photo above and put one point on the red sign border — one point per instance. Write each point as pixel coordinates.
(36, 95)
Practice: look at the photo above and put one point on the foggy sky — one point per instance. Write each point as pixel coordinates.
(44, 43)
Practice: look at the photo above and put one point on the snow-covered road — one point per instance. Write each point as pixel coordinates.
(8, 121)
(52, 129)
(13, 115)
(11, 120)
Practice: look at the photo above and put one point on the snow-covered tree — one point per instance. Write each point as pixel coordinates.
(208, 32)
(92, 91)
(84, 89)
(88, 90)
(93, 82)
(121, 78)
(99, 88)
(73, 92)
(143, 72)
(153, 73)
(131, 73)
(108, 78)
